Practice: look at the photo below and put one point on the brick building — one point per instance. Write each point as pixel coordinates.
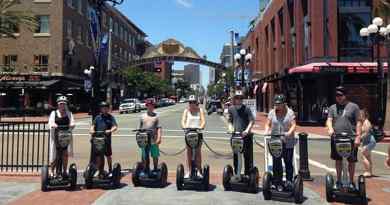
(38, 65)
(305, 48)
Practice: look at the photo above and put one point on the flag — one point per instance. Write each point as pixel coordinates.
(103, 48)
(237, 38)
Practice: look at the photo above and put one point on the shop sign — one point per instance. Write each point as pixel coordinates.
(12, 78)
(333, 69)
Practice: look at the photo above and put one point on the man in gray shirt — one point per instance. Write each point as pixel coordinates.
(241, 120)
(344, 116)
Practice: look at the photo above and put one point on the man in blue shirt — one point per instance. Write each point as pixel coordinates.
(104, 122)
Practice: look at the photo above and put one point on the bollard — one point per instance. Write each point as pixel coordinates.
(304, 157)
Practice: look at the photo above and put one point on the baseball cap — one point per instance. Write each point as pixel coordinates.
(238, 93)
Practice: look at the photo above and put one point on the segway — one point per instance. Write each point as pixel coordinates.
(344, 146)
(106, 179)
(274, 148)
(234, 179)
(62, 139)
(142, 176)
(193, 140)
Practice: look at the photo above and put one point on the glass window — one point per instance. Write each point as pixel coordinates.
(116, 28)
(41, 63)
(43, 24)
(352, 46)
(110, 22)
(69, 28)
(80, 34)
(80, 6)
(10, 60)
(12, 27)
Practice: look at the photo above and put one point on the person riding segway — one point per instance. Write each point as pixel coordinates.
(102, 128)
(241, 121)
(61, 123)
(344, 127)
(193, 121)
(279, 139)
(148, 139)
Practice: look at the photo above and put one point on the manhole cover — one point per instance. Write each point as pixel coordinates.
(386, 189)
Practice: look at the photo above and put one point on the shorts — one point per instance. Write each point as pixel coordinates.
(108, 148)
(153, 149)
(369, 143)
(335, 156)
(200, 143)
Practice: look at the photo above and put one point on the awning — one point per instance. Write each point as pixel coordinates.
(28, 84)
(337, 67)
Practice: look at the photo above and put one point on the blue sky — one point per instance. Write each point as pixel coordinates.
(200, 24)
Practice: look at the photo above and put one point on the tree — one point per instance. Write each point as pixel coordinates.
(10, 19)
(382, 9)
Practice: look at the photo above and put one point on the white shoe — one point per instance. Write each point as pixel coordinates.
(187, 175)
(199, 174)
(96, 174)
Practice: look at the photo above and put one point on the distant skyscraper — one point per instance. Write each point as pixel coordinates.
(192, 73)
(211, 75)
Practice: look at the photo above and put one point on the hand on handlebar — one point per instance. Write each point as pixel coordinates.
(357, 141)
(54, 126)
(108, 131)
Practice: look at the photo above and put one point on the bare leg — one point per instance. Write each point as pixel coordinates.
(339, 165)
(189, 158)
(109, 161)
(351, 169)
(366, 156)
(155, 163)
(65, 162)
(199, 158)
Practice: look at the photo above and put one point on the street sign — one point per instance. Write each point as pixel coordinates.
(87, 85)
(251, 103)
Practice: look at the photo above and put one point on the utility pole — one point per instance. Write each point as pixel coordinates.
(109, 67)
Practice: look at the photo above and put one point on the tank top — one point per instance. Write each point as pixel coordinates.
(64, 120)
(193, 119)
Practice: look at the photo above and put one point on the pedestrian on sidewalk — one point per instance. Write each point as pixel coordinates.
(194, 117)
(368, 143)
(60, 117)
(281, 120)
(344, 117)
(241, 120)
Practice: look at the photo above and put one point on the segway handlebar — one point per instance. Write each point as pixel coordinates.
(273, 135)
(192, 129)
(142, 130)
(343, 134)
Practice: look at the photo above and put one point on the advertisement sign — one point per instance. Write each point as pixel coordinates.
(251, 103)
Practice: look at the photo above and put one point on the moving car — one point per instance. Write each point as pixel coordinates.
(129, 105)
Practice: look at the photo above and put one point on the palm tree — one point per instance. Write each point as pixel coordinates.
(382, 9)
(10, 19)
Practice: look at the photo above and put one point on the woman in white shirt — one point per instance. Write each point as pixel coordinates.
(193, 117)
(60, 117)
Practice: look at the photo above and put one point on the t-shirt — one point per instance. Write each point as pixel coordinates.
(240, 116)
(344, 117)
(282, 125)
(150, 121)
(104, 122)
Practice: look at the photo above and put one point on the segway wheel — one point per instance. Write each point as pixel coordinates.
(180, 177)
(164, 174)
(267, 182)
(73, 176)
(298, 189)
(329, 181)
(135, 175)
(44, 178)
(88, 175)
(226, 176)
(116, 175)
(362, 189)
(254, 180)
(206, 177)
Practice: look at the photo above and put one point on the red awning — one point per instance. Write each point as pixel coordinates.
(364, 67)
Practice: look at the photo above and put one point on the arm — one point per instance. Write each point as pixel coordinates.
(92, 129)
(267, 126)
(292, 128)
(230, 121)
(329, 121)
(184, 119)
(251, 121)
(72, 123)
(114, 126)
(159, 131)
(358, 132)
(52, 123)
(202, 119)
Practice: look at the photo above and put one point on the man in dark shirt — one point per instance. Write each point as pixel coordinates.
(344, 116)
(241, 120)
(104, 122)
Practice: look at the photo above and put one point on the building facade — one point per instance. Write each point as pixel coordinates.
(305, 48)
(192, 73)
(36, 66)
(211, 75)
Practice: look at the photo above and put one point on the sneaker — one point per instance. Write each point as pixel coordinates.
(199, 174)
(352, 186)
(337, 185)
(289, 185)
(142, 174)
(187, 175)
(97, 173)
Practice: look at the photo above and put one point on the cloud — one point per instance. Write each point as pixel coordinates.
(185, 3)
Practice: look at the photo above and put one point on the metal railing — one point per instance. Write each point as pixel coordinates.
(24, 146)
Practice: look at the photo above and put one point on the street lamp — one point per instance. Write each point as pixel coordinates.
(243, 59)
(377, 33)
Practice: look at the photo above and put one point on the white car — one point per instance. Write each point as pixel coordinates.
(129, 105)
(182, 100)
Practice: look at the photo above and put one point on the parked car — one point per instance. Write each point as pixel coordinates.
(129, 105)
(182, 100)
(143, 105)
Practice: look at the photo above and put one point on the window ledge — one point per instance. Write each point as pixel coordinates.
(42, 35)
(14, 34)
(42, 1)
